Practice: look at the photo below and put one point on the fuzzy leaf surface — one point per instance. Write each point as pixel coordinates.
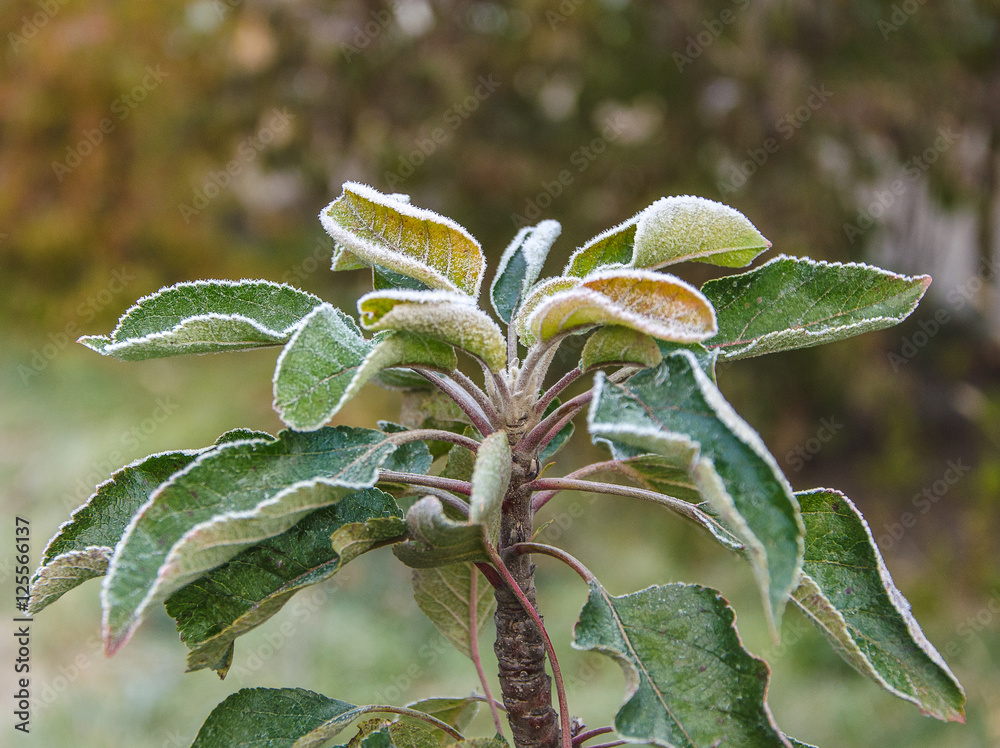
(615, 345)
(233, 599)
(375, 229)
(490, 477)
(447, 317)
(270, 718)
(689, 681)
(206, 317)
(848, 593)
(672, 230)
(437, 539)
(82, 546)
(676, 411)
(793, 302)
(225, 501)
(328, 361)
(520, 266)
(659, 305)
(444, 594)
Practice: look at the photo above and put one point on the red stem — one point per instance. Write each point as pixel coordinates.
(474, 651)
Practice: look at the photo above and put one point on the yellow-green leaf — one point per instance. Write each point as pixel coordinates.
(448, 317)
(371, 228)
(659, 305)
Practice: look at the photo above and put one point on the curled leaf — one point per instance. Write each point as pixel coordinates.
(661, 306)
(520, 266)
(328, 361)
(672, 230)
(380, 230)
(615, 345)
(444, 316)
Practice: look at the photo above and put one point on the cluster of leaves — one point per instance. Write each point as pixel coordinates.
(225, 535)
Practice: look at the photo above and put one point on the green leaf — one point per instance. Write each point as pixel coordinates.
(206, 317)
(490, 478)
(689, 681)
(384, 279)
(444, 316)
(328, 361)
(793, 302)
(520, 266)
(672, 230)
(457, 712)
(706, 358)
(233, 599)
(225, 501)
(412, 457)
(438, 540)
(659, 305)
(848, 593)
(677, 412)
(615, 345)
(444, 594)
(82, 546)
(271, 718)
(538, 294)
(375, 229)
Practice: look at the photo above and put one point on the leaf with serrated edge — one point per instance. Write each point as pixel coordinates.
(672, 230)
(659, 305)
(225, 501)
(447, 317)
(380, 230)
(520, 266)
(848, 593)
(795, 302)
(271, 718)
(688, 679)
(207, 316)
(444, 594)
(615, 345)
(82, 546)
(675, 410)
(233, 599)
(328, 361)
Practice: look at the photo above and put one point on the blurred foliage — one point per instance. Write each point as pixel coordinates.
(146, 143)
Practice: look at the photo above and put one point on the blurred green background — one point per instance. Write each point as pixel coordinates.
(148, 143)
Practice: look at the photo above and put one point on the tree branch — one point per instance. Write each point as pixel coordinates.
(567, 379)
(583, 737)
(515, 588)
(416, 479)
(548, 550)
(479, 396)
(685, 509)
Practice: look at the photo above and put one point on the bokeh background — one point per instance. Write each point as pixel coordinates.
(143, 144)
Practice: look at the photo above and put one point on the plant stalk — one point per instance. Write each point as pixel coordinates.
(520, 647)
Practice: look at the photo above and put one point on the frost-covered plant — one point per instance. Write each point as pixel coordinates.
(227, 534)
